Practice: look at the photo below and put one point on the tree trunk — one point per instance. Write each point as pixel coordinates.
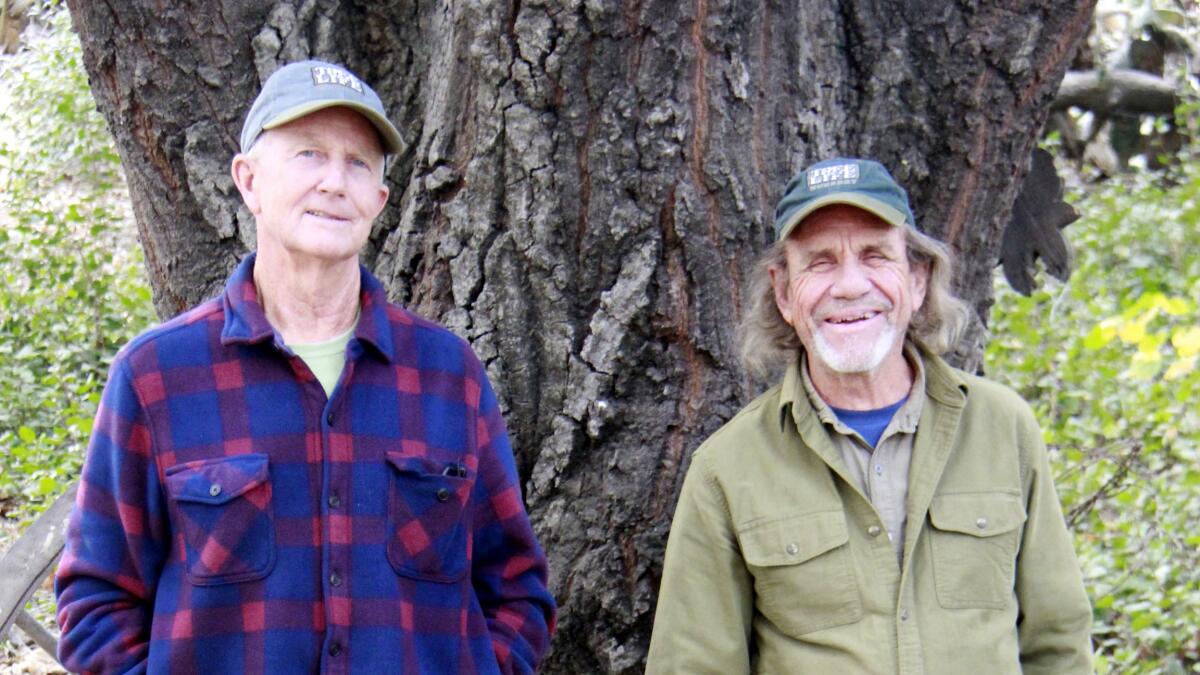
(584, 189)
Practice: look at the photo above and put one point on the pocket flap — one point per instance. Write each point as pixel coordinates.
(793, 539)
(412, 463)
(977, 514)
(216, 481)
(425, 466)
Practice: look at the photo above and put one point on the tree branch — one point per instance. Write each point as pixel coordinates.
(1122, 90)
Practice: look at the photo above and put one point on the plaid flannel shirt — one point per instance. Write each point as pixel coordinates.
(231, 519)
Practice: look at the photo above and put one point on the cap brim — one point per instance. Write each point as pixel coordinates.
(870, 204)
(388, 133)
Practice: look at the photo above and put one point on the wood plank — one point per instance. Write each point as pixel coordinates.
(38, 633)
(31, 558)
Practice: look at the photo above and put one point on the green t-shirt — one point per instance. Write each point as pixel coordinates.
(326, 359)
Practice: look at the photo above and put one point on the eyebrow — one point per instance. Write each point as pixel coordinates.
(869, 247)
(308, 138)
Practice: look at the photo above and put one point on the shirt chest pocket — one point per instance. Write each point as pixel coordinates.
(427, 528)
(803, 571)
(223, 511)
(973, 543)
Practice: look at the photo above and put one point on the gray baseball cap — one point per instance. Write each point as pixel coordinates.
(302, 88)
(858, 182)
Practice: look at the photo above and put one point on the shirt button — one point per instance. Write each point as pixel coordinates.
(334, 501)
(329, 421)
(874, 530)
(904, 615)
(214, 490)
(878, 469)
(981, 523)
(335, 649)
(792, 549)
(443, 494)
(335, 580)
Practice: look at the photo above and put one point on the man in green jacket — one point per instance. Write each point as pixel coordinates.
(876, 511)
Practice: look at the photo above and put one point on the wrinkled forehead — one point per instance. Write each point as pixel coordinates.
(845, 222)
(335, 124)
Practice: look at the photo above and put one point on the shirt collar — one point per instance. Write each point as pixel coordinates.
(796, 379)
(246, 322)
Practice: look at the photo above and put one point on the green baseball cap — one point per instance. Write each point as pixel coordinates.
(857, 182)
(304, 87)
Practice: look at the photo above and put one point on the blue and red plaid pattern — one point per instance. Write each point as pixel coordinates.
(231, 519)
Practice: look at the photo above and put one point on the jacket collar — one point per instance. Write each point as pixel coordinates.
(246, 322)
(942, 383)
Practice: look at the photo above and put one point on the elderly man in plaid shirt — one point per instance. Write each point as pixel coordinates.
(298, 476)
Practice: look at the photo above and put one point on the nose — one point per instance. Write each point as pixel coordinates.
(851, 280)
(333, 178)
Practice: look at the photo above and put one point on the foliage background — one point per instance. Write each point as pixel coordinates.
(1108, 359)
(71, 286)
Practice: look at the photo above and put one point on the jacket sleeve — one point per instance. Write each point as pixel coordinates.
(1054, 624)
(116, 541)
(706, 600)
(509, 569)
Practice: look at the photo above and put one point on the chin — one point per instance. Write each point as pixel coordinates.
(857, 357)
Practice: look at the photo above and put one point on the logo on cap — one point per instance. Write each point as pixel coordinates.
(830, 176)
(328, 75)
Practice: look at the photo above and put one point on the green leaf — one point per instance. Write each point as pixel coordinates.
(47, 486)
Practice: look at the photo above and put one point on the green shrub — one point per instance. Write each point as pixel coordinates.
(72, 289)
(1109, 362)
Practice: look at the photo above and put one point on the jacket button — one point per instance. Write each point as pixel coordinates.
(214, 490)
(874, 530)
(981, 523)
(443, 494)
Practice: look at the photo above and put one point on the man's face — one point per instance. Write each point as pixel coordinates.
(848, 290)
(314, 185)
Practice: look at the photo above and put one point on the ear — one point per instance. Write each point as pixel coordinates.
(380, 201)
(245, 177)
(919, 282)
(779, 282)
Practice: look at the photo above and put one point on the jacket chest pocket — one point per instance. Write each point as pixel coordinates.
(223, 510)
(973, 543)
(803, 571)
(427, 529)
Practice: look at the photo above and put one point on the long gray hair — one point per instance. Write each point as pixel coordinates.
(769, 342)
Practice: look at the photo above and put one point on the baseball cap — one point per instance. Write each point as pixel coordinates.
(304, 87)
(858, 182)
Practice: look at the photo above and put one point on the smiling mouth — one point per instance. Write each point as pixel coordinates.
(848, 319)
(324, 214)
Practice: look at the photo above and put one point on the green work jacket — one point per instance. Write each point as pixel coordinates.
(777, 564)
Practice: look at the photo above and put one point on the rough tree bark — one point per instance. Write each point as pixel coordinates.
(585, 186)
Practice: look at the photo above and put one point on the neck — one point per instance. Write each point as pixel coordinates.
(889, 382)
(308, 301)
